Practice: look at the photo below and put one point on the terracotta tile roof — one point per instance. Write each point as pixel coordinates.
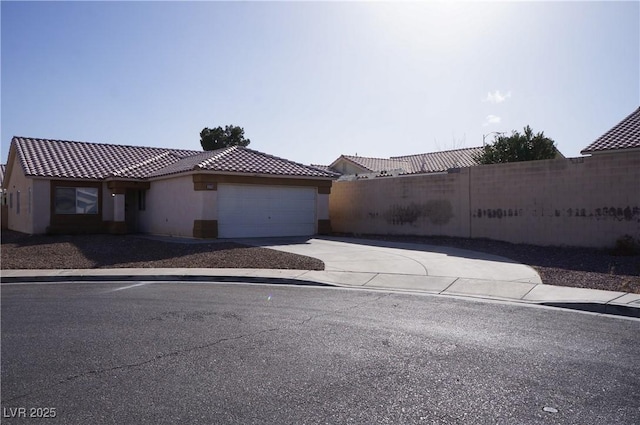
(441, 161)
(625, 135)
(81, 160)
(323, 168)
(420, 163)
(239, 159)
(377, 164)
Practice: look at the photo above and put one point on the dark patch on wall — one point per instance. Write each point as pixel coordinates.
(497, 213)
(605, 213)
(439, 212)
(627, 214)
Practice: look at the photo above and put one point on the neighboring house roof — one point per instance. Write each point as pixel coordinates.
(625, 135)
(82, 160)
(420, 163)
(374, 164)
(3, 170)
(441, 161)
(323, 168)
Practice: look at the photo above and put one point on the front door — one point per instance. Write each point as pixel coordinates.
(131, 210)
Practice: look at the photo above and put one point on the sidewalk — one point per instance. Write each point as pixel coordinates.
(379, 265)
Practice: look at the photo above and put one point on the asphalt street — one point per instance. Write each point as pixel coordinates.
(201, 353)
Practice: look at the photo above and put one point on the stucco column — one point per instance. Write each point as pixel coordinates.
(118, 207)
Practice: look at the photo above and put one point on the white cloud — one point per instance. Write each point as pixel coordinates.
(497, 97)
(491, 119)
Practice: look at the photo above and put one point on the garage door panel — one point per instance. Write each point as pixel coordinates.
(261, 211)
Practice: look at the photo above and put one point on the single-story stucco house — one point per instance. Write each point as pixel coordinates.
(56, 186)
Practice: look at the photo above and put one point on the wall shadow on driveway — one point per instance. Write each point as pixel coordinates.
(556, 257)
(377, 243)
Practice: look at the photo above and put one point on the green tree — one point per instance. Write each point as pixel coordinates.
(216, 138)
(518, 147)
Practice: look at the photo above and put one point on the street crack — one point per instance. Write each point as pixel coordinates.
(155, 358)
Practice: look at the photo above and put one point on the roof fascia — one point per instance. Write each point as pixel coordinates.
(9, 170)
(221, 173)
(279, 176)
(609, 151)
(120, 179)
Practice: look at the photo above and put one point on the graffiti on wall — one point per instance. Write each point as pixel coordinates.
(438, 212)
(627, 213)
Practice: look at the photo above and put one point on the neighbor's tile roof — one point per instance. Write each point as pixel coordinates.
(377, 164)
(323, 168)
(238, 159)
(81, 160)
(441, 161)
(420, 163)
(625, 135)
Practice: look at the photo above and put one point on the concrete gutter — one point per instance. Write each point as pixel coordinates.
(593, 300)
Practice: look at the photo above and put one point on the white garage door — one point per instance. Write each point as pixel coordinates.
(261, 211)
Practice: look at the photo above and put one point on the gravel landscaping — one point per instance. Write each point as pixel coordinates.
(20, 251)
(565, 266)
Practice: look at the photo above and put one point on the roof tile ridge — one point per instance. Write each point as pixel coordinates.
(437, 152)
(366, 157)
(142, 163)
(215, 155)
(109, 144)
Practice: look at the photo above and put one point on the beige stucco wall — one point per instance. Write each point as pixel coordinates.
(36, 220)
(434, 204)
(18, 182)
(322, 206)
(589, 201)
(41, 207)
(107, 203)
(172, 205)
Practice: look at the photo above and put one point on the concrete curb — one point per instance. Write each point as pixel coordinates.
(161, 278)
(589, 300)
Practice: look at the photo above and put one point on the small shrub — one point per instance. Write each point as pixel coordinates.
(626, 246)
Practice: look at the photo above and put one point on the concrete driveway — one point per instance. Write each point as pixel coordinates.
(361, 263)
(374, 263)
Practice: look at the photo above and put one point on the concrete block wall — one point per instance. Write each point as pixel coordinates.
(589, 201)
(435, 204)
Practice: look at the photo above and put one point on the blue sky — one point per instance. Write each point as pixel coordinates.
(311, 81)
